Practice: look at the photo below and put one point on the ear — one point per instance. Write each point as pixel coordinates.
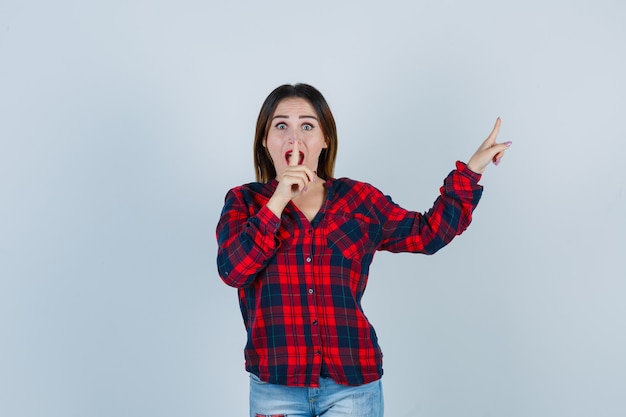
(325, 145)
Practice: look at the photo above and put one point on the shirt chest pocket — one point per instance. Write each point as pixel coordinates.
(350, 236)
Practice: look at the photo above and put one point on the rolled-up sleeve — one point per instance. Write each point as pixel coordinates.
(451, 214)
(246, 242)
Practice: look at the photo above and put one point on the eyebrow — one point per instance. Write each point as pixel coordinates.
(279, 116)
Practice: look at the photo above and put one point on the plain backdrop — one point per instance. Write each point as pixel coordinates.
(124, 123)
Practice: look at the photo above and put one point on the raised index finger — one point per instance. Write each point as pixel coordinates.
(494, 133)
(295, 155)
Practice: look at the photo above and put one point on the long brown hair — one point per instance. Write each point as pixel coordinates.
(263, 165)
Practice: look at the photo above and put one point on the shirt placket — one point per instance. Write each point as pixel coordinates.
(309, 273)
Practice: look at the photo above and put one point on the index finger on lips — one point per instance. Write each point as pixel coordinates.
(295, 155)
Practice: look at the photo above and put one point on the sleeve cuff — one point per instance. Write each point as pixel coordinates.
(464, 170)
(268, 220)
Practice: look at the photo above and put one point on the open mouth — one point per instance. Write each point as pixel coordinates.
(300, 159)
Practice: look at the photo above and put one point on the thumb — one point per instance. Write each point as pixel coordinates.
(498, 151)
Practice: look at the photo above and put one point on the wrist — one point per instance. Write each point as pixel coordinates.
(475, 168)
(466, 170)
(277, 205)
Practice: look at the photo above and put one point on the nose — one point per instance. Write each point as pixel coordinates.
(292, 139)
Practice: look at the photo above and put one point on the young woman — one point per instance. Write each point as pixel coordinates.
(298, 244)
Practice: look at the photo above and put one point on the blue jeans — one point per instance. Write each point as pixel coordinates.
(329, 400)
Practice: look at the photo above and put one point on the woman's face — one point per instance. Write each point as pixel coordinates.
(294, 120)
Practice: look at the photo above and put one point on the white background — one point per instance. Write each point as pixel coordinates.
(124, 123)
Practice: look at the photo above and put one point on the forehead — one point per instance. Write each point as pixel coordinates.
(294, 106)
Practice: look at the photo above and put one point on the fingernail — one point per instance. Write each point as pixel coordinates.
(507, 144)
(314, 176)
(497, 161)
(306, 188)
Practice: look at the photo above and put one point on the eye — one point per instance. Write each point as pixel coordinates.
(281, 126)
(307, 126)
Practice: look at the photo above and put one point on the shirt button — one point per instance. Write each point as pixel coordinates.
(310, 290)
(315, 322)
(318, 352)
(308, 259)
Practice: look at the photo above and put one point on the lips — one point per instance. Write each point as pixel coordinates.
(300, 159)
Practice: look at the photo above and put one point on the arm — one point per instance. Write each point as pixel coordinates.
(245, 243)
(247, 238)
(452, 211)
(451, 214)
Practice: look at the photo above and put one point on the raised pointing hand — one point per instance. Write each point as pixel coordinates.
(488, 151)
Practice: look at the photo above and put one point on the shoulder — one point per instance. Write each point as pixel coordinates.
(251, 193)
(348, 185)
(252, 188)
(353, 195)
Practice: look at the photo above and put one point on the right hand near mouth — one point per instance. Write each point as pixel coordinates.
(293, 182)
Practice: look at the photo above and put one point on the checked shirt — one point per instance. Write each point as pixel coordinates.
(300, 283)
